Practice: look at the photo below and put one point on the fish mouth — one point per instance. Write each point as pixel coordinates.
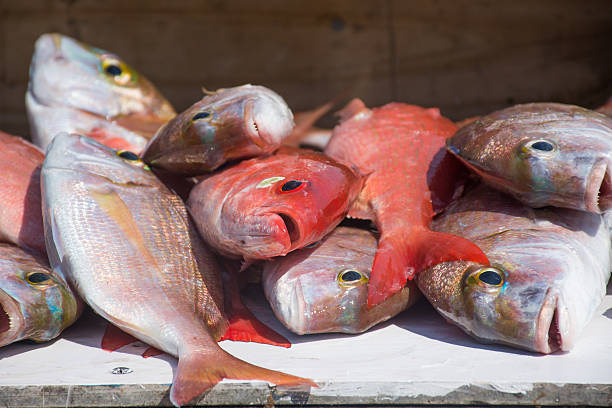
(292, 228)
(598, 194)
(552, 330)
(266, 122)
(11, 320)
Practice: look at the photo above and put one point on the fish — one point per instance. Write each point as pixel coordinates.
(606, 108)
(225, 125)
(409, 177)
(547, 274)
(20, 209)
(268, 206)
(129, 247)
(323, 288)
(75, 87)
(542, 154)
(36, 303)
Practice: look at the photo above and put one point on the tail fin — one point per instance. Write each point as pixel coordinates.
(401, 257)
(200, 370)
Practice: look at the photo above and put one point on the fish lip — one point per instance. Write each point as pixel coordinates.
(292, 227)
(598, 193)
(552, 332)
(11, 320)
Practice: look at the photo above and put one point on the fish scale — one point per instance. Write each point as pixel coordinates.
(399, 148)
(127, 244)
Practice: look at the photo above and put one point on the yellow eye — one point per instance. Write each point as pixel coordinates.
(118, 71)
(38, 278)
(351, 277)
(132, 158)
(490, 276)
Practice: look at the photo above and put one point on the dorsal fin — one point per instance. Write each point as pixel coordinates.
(352, 109)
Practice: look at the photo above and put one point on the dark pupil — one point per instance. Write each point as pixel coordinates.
(291, 185)
(350, 276)
(37, 277)
(201, 115)
(113, 70)
(543, 146)
(127, 155)
(490, 277)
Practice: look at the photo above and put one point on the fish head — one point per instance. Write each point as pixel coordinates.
(323, 288)
(65, 72)
(84, 158)
(542, 154)
(270, 206)
(35, 302)
(225, 125)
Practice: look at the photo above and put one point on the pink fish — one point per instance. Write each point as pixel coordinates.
(400, 148)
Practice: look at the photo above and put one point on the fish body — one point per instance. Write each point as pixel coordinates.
(324, 288)
(20, 214)
(400, 150)
(548, 272)
(268, 206)
(127, 244)
(75, 87)
(36, 303)
(542, 154)
(229, 124)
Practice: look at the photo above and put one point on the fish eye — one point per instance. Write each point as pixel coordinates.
(117, 70)
(127, 155)
(540, 146)
(292, 186)
(38, 278)
(490, 276)
(351, 277)
(201, 115)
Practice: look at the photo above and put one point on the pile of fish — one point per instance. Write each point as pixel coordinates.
(499, 224)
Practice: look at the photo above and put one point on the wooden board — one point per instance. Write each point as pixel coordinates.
(468, 57)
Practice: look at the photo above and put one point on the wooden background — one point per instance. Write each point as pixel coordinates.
(466, 56)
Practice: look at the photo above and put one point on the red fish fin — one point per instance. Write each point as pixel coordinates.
(199, 371)
(114, 338)
(400, 257)
(353, 108)
(151, 352)
(106, 138)
(243, 325)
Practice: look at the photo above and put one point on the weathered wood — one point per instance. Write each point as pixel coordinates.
(466, 56)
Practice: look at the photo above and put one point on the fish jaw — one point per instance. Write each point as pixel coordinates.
(598, 191)
(271, 121)
(12, 325)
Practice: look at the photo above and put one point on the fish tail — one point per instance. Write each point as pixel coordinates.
(401, 257)
(201, 369)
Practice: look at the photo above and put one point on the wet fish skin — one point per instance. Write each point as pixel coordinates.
(75, 87)
(36, 303)
(324, 288)
(229, 124)
(121, 236)
(548, 273)
(243, 212)
(20, 214)
(542, 154)
(409, 177)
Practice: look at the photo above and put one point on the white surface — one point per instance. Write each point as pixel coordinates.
(417, 353)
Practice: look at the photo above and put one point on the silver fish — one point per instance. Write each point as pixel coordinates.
(548, 272)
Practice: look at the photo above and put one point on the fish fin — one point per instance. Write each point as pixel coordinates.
(114, 338)
(151, 352)
(244, 326)
(400, 257)
(103, 136)
(200, 369)
(352, 109)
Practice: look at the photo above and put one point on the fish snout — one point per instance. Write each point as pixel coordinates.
(268, 122)
(598, 194)
(11, 319)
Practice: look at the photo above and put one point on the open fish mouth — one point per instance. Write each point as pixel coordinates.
(598, 194)
(552, 329)
(11, 321)
(293, 229)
